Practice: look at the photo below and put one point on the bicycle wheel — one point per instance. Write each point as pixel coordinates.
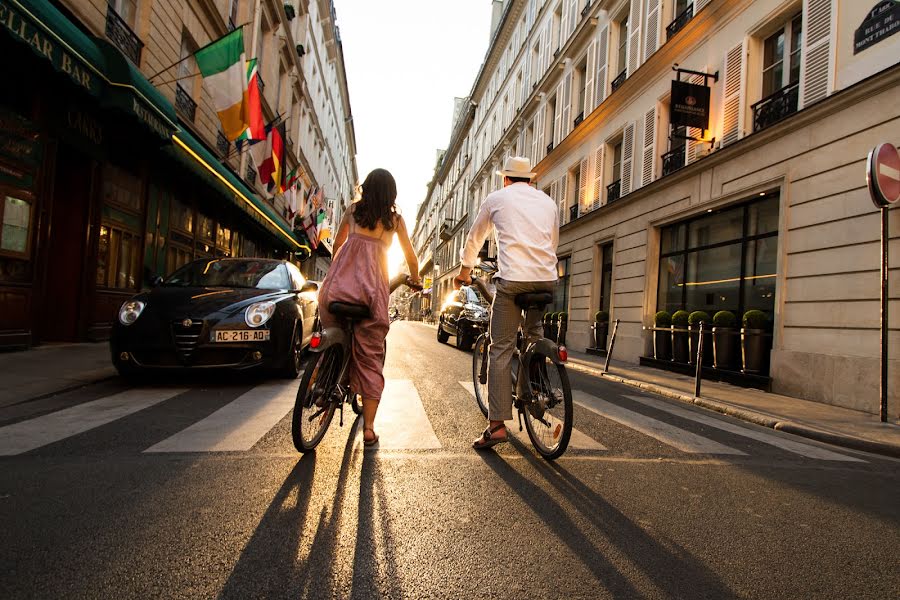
(548, 417)
(315, 402)
(479, 362)
(356, 403)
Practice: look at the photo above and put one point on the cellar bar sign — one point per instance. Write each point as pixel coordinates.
(882, 22)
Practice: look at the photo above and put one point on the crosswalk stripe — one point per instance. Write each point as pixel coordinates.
(754, 434)
(238, 425)
(40, 431)
(577, 441)
(401, 421)
(665, 433)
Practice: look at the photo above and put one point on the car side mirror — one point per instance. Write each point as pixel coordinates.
(309, 286)
(156, 281)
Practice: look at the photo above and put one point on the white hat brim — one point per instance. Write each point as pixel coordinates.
(516, 174)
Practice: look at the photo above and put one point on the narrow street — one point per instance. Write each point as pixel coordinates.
(191, 487)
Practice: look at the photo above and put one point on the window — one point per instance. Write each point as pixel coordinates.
(617, 161)
(581, 97)
(118, 257)
(575, 178)
(126, 9)
(721, 261)
(561, 291)
(557, 28)
(16, 216)
(550, 120)
(623, 44)
(233, 14)
(784, 43)
(606, 264)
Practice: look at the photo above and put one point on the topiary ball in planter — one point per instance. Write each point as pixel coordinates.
(563, 328)
(697, 317)
(680, 318)
(662, 340)
(680, 350)
(601, 329)
(563, 316)
(601, 316)
(755, 341)
(724, 318)
(662, 319)
(694, 320)
(725, 342)
(755, 319)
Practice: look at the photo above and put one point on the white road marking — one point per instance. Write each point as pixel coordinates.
(238, 425)
(401, 422)
(754, 434)
(665, 433)
(40, 431)
(577, 441)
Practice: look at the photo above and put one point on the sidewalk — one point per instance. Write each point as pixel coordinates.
(822, 422)
(51, 369)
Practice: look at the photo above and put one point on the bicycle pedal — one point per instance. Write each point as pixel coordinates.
(557, 431)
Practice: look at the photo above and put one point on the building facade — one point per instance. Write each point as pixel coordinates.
(764, 209)
(114, 169)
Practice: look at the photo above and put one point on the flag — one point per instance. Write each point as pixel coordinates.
(324, 224)
(223, 68)
(293, 204)
(271, 171)
(256, 126)
(310, 229)
(289, 180)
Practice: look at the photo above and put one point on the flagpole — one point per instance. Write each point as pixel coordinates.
(254, 41)
(175, 64)
(180, 78)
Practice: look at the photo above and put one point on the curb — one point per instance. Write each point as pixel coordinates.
(70, 388)
(751, 416)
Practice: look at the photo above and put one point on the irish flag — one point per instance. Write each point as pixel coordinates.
(223, 68)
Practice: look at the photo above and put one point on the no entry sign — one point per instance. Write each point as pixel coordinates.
(883, 175)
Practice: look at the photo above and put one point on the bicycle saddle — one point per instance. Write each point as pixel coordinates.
(349, 311)
(534, 299)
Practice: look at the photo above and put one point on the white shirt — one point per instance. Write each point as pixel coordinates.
(526, 224)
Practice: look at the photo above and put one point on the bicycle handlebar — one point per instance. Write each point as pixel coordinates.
(402, 279)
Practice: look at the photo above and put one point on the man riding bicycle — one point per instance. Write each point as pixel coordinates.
(526, 223)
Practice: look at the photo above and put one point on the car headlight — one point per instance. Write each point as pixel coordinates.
(130, 311)
(257, 314)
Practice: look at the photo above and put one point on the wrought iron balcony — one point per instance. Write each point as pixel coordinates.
(221, 143)
(262, 84)
(619, 80)
(672, 161)
(549, 147)
(679, 22)
(573, 212)
(776, 107)
(614, 191)
(121, 35)
(556, 52)
(579, 119)
(184, 104)
(251, 175)
(586, 9)
(231, 24)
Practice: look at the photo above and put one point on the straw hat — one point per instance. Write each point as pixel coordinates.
(517, 166)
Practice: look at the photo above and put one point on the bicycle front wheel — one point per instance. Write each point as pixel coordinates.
(315, 404)
(548, 417)
(479, 372)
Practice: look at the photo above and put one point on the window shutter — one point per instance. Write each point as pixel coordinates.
(589, 79)
(649, 163)
(584, 173)
(539, 127)
(602, 64)
(815, 55)
(598, 178)
(654, 27)
(627, 158)
(634, 37)
(554, 195)
(557, 116)
(733, 102)
(567, 106)
(563, 27)
(573, 17)
(699, 4)
(526, 76)
(548, 52)
(692, 147)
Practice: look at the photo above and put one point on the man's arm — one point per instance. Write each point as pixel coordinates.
(469, 254)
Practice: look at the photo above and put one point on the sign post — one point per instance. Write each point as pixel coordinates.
(883, 181)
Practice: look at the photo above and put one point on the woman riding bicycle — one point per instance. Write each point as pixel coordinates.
(527, 225)
(359, 275)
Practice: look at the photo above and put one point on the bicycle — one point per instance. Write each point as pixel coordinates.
(548, 406)
(322, 390)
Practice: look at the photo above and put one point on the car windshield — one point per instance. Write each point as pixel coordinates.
(263, 275)
(472, 296)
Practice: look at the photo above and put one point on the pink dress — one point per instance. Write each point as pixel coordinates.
(359, 275)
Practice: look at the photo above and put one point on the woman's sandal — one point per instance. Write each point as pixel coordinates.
(371, 442)
(486, 441)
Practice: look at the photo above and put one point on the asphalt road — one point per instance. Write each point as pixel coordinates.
(191, 488)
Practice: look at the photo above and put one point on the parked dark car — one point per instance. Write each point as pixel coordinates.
(235, 313)
(465, 315)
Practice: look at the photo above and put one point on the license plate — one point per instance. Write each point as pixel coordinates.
(242, 335)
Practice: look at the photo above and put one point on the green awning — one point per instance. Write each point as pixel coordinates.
(190, 152)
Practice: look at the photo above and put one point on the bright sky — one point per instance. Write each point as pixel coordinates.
(406, 60)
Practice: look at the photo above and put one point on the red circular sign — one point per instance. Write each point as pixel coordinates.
(883, 174)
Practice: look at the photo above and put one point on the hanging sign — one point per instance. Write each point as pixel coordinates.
(882, 22)
(689, 105)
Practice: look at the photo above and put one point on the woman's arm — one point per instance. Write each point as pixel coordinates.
(411, 260)
(343, 231)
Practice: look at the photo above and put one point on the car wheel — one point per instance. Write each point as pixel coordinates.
(127, 371)
(464, 341)
(294, 363)
(442, 336)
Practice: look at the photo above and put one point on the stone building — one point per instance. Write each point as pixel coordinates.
(114, 169)
(765, 208)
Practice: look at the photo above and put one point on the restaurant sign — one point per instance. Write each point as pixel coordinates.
(882, 22)
(689, 105)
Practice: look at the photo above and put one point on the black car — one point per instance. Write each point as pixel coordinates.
(465, 315)
(236, 313)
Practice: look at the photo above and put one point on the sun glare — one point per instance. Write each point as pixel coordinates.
(396, 261)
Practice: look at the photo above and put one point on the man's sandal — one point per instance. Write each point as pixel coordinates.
(486, 441)
(371, 442)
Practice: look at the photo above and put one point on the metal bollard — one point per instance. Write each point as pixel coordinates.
(612, 344)
(699, 362)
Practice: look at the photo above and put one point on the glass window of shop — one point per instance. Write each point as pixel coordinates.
(179, 250)
(119, 249)
(16, 211)
(724, 260)
(561, 292)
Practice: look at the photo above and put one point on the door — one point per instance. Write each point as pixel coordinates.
(60, 320)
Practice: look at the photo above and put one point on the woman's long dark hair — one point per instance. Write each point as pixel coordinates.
(379, 191)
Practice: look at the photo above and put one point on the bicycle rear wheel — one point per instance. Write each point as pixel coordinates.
(548, 417)
(479, 368)
(315, 404)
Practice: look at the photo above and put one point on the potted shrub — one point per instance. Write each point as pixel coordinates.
(754, 343)
(694, 320)
(601, 329)
(680, 349)
(662, 340)
(724, 339)
(546, 321)
(563, 328)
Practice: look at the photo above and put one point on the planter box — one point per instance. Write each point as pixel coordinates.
(662, 344)
(707, 346)
(755, 350)
(726, 342)
(680, 349)
(601, 330)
